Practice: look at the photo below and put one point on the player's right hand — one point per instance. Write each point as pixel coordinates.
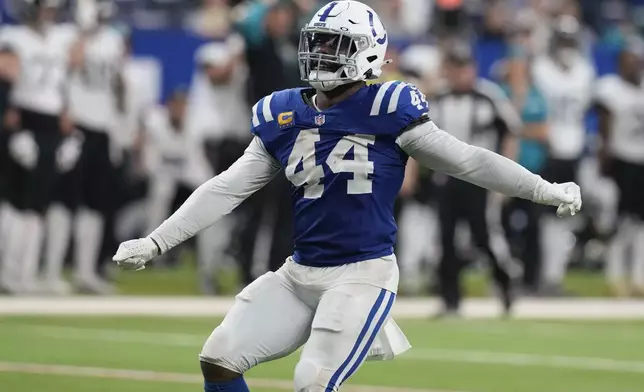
(567, 198)
(134, 254)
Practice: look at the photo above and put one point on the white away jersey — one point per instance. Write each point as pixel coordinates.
(625, 101)
(43, 66)
(568, 94)
(91, 87)
(218, 111)
(172, 153)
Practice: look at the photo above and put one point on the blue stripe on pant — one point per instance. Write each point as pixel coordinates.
(370, 319)
(375, 332)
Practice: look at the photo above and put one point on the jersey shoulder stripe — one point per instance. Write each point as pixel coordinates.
(395, 97)
(380, 95)
(269, 112)
(262, 109)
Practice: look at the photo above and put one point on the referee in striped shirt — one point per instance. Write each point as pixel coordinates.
(475, 111)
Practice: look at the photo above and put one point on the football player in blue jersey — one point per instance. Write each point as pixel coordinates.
(344, 146)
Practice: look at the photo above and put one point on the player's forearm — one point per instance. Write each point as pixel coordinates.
(217, 197)
(442, 152)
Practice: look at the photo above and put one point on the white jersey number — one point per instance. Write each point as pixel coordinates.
(311, 174)
(97, 75)
(40, 72)
(418, 99)
(566, 110)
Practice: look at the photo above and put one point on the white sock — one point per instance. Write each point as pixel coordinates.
(616, 257)
(415, 237)
(608, 198)
(34, 230)
(6, 218)
(59, 230)
(13, 248)
(556, 244)
(89, 236)
(638, 257)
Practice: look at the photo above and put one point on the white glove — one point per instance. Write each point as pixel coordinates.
(69, 152)
(23, 149)
(134, 254)
(566, 197)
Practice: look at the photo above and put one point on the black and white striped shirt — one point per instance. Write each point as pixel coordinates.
(482, 116)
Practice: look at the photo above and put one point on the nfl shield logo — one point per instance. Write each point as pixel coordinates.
(319, 119)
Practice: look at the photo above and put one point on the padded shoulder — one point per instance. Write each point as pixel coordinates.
(267, 110)
(401, 103)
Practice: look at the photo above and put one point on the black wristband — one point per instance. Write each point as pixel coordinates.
(157, 245)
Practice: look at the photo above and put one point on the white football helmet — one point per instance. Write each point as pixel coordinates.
(344, 42)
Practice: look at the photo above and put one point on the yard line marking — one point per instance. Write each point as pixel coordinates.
(523, 359)
(552, 331)
(415, 354)
(183, 378)
(415, 308)
(109, 335)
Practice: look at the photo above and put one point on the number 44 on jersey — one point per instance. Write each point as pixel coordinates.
(312, 174)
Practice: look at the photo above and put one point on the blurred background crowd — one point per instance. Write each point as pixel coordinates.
(188, 72)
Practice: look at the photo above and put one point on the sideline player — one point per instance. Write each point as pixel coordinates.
(344, 146)
(620, 103)
(94, 94)
(566, 79)
(40, 46)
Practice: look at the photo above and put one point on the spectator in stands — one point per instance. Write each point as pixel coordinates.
(405, 18)
(212, 19)
(495, 20)
(271, 48)
(271, 52)
(451, 19)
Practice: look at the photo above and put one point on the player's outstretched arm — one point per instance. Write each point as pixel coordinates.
(210, 202)
(440, 151)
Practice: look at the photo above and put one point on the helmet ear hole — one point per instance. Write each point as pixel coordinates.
(371, 59)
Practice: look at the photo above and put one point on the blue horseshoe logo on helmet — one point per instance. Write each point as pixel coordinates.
(382, 40)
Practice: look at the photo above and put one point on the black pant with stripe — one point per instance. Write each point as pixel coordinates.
(461, 201)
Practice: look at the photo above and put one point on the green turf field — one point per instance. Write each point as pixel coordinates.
(183, 281)
(125, 354)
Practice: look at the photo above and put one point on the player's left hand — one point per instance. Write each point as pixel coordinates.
(134, 254)
(566, 197)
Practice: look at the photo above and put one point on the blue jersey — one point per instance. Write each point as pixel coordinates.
(344, 165)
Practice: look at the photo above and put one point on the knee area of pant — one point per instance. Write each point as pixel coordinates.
(219, 350)
(216, 373)
(310, 377)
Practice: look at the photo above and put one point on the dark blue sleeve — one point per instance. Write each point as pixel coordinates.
(412, 109)
(261, 116)
(267, 115)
